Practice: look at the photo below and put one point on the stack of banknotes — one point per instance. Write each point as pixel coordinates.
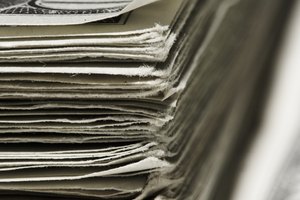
(120, 99)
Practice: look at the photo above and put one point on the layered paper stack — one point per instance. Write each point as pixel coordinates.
(83, 106)
(144, 103)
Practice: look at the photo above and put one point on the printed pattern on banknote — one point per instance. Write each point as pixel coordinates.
(41, 7)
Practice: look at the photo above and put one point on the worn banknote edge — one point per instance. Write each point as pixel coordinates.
(66, 19)
(140, 21)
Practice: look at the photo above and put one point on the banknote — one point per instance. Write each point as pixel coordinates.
(67, 12)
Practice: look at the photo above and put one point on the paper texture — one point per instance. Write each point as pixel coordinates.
(39, 12)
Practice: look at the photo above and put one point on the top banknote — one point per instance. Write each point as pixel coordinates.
(63, 12)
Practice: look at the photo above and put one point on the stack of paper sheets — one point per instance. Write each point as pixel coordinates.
(106, 99)
(83, 106)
